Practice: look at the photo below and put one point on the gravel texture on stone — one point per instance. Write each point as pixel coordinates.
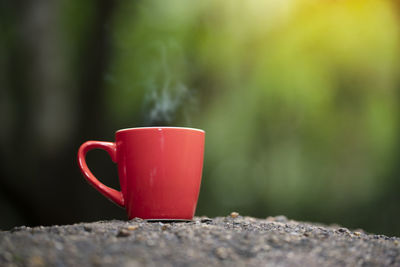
(232, 241)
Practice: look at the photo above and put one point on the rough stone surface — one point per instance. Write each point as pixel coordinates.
(232, 240)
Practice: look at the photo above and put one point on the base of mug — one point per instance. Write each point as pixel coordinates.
(167, 220)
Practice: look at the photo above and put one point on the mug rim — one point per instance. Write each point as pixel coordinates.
(160, 127)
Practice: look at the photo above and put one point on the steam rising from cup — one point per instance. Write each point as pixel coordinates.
(164, 104)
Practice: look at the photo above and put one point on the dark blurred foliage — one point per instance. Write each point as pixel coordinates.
(299, 100)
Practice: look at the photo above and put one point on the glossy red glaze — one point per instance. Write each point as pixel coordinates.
(159, 171)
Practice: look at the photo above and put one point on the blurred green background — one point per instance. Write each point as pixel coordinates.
(299, 100)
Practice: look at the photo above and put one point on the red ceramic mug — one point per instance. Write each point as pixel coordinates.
(159, 171)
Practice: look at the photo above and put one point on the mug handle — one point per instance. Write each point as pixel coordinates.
(112, 194)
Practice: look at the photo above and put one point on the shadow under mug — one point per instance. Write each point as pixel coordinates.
(159, 171)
